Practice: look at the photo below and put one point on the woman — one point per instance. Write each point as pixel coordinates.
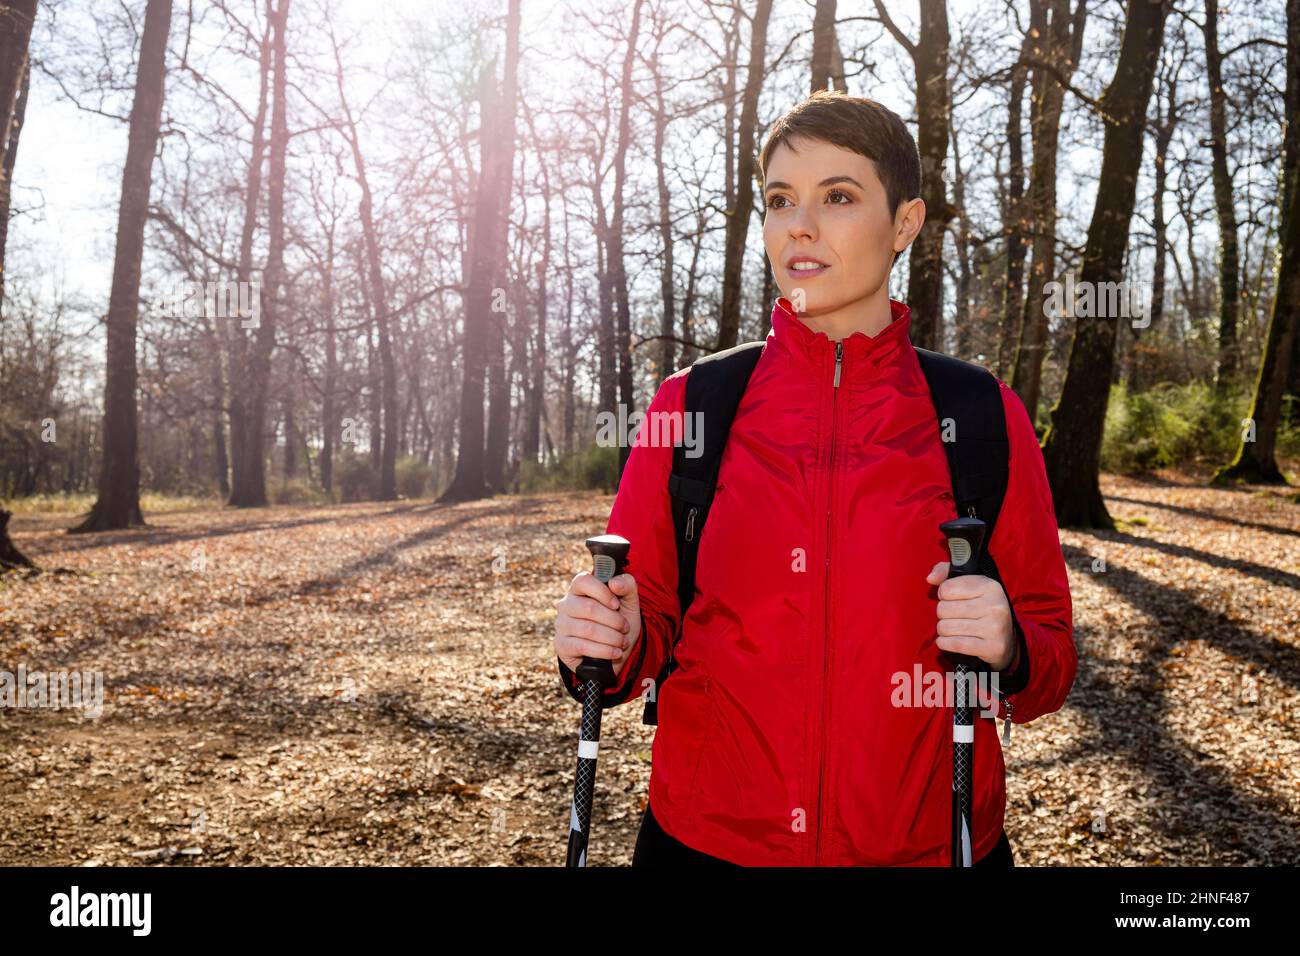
(799, 727)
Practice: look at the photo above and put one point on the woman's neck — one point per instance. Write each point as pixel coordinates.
(868, 315)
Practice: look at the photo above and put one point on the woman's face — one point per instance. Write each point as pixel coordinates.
(827, 208)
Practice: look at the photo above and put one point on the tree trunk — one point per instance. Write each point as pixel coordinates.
(1223, 203)
(252, 494)
(667, 298)
(1013, 295)
(827, 67)
(498, 420)
(290, 428)
(1061, 49)
(329, 407)
(618, 270)
(220, 464)
(245, 449)
(536, 399)
(487, 254)
(1255, 460)
(933, 108)
(16, 18)
(387, 434)
(570, 397)
(1291, 159)
(11, 559)
(1160, 255)
(740, 204)
(374, 392)
(965, 344)
(118, 504)
(1072, 447)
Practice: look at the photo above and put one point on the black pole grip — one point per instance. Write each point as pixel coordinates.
(965, 537)
(609, 557)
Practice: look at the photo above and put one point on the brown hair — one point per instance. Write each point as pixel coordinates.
(861, 125)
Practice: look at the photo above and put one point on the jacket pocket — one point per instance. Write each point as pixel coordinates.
(709, 731)
(685, 724)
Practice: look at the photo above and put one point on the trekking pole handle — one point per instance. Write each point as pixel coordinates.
(608, 559)
(609, 556)
(965, 537)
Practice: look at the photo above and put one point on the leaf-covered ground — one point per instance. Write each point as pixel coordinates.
(375, 684)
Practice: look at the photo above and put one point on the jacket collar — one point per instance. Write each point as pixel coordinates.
(862, 355)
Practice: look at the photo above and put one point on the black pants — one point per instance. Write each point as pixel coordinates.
(654, 847)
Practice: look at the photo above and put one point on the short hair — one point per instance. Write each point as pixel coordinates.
(858, 124)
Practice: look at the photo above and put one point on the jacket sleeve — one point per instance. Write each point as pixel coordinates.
(642, 514)
(1027, 550)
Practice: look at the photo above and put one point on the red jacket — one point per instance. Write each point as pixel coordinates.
(779, 739)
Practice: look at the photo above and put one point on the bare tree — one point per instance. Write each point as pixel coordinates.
(16, 18)
(1072, 446)
(1255, 460)
(247, 464)
(1054, 56)
(379, 300)
(740, 203)
(929, 54)
(827, 66)
(118, 504)
(617, 272)
(1224, 207)
(487, 246)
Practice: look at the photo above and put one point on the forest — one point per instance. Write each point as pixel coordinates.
(455, 266)
(312, 313)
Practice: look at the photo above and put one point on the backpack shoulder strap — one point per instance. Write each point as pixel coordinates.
(714, 388)
(713, 391)
(972, 424)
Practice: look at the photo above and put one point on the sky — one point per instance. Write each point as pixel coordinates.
(68, 176)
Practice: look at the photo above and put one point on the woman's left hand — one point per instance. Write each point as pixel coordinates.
(975, 618)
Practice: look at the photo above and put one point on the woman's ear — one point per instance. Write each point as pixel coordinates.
(908, 222)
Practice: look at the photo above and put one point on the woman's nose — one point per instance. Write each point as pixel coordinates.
(803, 221)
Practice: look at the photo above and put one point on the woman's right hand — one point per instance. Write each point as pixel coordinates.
(596, 620)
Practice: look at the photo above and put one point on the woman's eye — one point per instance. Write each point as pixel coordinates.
(771, 203)
(837, 192)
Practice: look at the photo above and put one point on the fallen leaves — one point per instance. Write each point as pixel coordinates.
(374, 684)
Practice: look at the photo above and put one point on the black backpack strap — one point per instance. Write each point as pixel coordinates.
(714, 387)
(968, 402)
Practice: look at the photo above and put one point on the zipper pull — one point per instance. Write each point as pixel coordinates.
(839, 356)
(1006, 721)
(690, 522)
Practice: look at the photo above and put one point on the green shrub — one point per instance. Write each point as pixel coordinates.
(354, 479)
(413, 476)
(1288, 436)
(82, 502)
(1170, 424)
(591, 467)
(299, 491)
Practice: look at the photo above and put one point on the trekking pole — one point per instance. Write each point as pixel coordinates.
(965, 539)
(609, 555)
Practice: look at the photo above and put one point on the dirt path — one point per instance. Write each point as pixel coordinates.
(374, 684)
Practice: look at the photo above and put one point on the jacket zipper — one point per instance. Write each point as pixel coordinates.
(830, 489)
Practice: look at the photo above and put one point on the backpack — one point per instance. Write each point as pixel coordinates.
(962, 392)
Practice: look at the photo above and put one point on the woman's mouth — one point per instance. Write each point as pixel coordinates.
(804, 268)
